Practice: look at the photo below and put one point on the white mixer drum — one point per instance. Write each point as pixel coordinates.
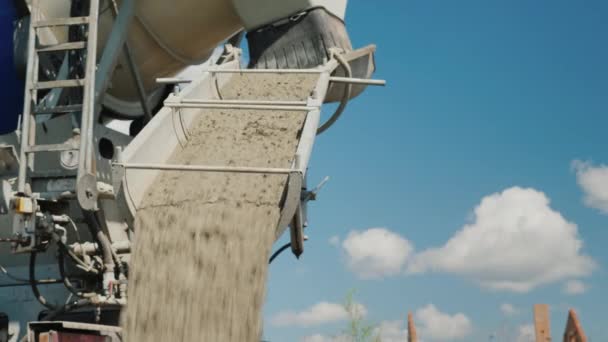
(167, 36)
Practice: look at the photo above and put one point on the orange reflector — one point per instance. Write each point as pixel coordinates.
(24, 205)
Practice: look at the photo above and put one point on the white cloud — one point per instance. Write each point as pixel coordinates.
(392, 331)
(515, 242)
(594, 182)
(508, 309)
(436, 325)
(317, 314)
(334, 241)
(575, 287)
(526, 333)
(323, 338)
(315, 338)
(388, 331)
(376, 252)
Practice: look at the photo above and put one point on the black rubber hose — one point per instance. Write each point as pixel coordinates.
(34, 284)
(9, 275)
(277, 253)
(66, 280)
(49, 282)
(66, 308)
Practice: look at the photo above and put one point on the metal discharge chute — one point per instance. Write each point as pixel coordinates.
(110, 90)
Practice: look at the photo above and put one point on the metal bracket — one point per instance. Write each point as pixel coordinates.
(291, 202)
(297, 233)
(86, 191)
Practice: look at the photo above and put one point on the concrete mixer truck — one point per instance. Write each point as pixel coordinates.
(97, 96)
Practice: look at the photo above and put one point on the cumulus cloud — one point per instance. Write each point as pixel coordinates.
(594, 182)
(323, 338)
(515, 242)
(508, 309)
(392, 331)
(376, 252)
(314, 338)
(317, 314)
(387, 331)
(526, 333)
(575, 287)
(436, 325)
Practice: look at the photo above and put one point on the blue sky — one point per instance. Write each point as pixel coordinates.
(483, 96)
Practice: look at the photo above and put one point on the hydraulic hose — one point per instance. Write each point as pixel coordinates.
(25, 282)
(66, 281)
(278, 252)
(34, 284)
(64, 249)
(65, 308)
(348, 88)
(102, 239)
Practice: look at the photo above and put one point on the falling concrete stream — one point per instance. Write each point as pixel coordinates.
(199, 264)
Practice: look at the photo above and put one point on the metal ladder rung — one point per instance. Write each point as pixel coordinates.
(86, 82)
(52, 148)
(61, 22)
(59, 84)
(58, 109)
(63, 47)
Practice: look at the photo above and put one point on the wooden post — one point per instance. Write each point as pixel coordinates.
(411, 329)
(574, 331)
(542, 324)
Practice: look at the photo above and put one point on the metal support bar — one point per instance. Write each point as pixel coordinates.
(86, 194)
(350, 80)
(265, 71)
(357, 81)
(139, 84)
(176, 80)
(113, 48)
(172, 80)
(203, 168)
(246, 102)
(244, 107)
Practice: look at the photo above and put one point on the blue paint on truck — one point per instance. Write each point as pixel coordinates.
(11, 88)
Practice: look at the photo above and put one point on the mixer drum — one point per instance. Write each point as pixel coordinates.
(166, 37)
